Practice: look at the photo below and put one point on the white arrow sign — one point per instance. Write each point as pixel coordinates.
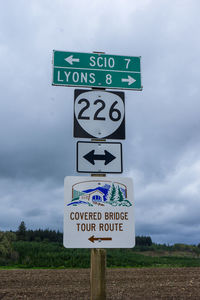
(99, 157)
(130, 80)
(71, 60)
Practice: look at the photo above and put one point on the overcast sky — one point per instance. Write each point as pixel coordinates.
(162, 147)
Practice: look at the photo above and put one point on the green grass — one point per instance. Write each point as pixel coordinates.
(54, 255)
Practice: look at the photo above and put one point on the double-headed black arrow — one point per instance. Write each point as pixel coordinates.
(91, 157)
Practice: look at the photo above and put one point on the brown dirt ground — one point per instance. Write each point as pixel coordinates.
(122, 284)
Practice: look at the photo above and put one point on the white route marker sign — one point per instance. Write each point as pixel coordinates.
(98, 212)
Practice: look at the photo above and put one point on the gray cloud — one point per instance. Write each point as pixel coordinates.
(161, 151)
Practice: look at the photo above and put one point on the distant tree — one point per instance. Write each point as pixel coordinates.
(21, 232)
(40, 235)
(143, 241)
(7, 253)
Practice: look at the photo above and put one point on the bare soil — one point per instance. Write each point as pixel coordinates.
(122, 284)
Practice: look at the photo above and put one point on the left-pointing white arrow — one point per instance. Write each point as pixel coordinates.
(130, 80)
(71, 60)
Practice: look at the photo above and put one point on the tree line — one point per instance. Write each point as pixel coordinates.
(44, 248)
(48, 235)
(13, 245)
(39, 235)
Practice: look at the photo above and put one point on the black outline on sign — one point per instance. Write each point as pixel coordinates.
(99, 172)
(79, 132)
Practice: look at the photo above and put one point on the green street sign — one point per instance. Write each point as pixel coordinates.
(96, 70)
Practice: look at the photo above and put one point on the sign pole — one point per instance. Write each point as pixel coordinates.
(98, 274)
(98, 269)
(113, 222)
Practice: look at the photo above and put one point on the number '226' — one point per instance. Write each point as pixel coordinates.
(114, 113)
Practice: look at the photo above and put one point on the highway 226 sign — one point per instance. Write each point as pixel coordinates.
(98, 212)
(99, 114)
(96, 70)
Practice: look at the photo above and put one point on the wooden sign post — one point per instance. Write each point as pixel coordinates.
(98, 274)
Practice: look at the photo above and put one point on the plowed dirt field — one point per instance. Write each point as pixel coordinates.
(122, 284)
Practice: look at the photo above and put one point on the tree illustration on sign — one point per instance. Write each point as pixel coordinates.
(111, 193)
(120, 195)
(115, 196)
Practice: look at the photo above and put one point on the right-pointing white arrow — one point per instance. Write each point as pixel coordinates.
(130, 80)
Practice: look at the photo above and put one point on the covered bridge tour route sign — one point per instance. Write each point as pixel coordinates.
(98, 212)
(96, 70)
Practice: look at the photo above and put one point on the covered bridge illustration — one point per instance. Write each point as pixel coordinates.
(95, 191)
(99, 192)
(94, 196)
